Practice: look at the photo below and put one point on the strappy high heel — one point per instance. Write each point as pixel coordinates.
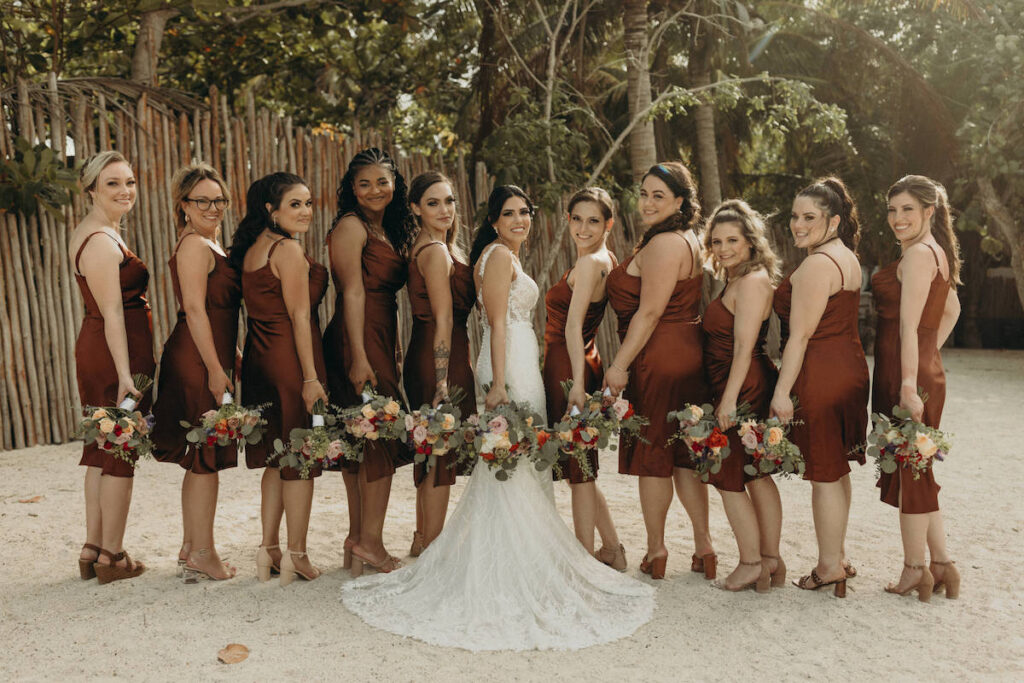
(655, 567)
(950, 579)
(805, 583)
(288, 570)
(924, 587)
(85, 567)
(613, 557)
(417, 547)
(108, 573)
(265, 563)
(706, 564)
(778, 577)
(762, 584)
(385, 566)
(192, 574)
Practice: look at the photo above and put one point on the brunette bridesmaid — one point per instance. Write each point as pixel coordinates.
(114, 342)
(442, 295)
(283, 363)
(823, 366)
(196, 359)
(575, 308)
(656, 295)
(739, 370)
(367, 245)
(917, 309)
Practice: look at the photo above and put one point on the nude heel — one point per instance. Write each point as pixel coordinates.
(778, 577)
(840, 590)
(265, 563)
(287, 569)
(346, 562)
(924, 587)
(355, 565)
(950, 579)
(708, 564)
(655, 567)
(765, 581)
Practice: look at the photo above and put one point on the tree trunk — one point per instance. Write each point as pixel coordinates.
(147, 45)
(704, 118)
(642, 151)
(999, 213)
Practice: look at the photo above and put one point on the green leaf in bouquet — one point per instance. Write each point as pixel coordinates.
(186, 425)
(901, 413)
(716, 468)
(872, 451)
(142, 382)
(253, 438)
(192, 436)
(888, 465)
(750, 471)
(501, 475)
(765, 466)
(278, 446)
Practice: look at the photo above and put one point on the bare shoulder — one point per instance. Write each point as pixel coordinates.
(815, 269)
(349, 230)
(754, 282)
(288, 251)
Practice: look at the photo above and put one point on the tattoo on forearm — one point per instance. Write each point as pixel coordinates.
(441, 356)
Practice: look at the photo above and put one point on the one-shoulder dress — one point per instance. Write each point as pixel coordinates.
(919, 495)
(94, 366)
(665, 375)
(756, 391)
(184, 392)
(271, 370)
(832, 387)
(384, 273)
(418, 372)
(558, 366)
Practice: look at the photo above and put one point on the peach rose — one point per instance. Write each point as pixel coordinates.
(774, 436)
(106, 425)
(368, 411)
(99, 414)
(392, 408)
(925, 446)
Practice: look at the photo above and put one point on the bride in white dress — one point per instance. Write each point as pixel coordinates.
(506, 573)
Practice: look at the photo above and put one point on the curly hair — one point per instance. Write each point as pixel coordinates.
(269, 189)
(831, 196)
(738, 212)
(680, 183)
(399, 226)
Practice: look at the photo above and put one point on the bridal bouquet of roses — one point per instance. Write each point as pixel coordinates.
(435, 431)
(121, 430)
(698, 429)
(320, 446)
(767, 441)
(230, 423)
(901, 442)
(378, 417)
(581, 432)
(502, 437)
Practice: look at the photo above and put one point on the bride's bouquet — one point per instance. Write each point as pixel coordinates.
(228, 424)
(121, 430)
(768, 443)
(432, 432)
(901, 442)
(698, 429)
(320, 446)
(581, 432)
(502, 437)
(378, 417)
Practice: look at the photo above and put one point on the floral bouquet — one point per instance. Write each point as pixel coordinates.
(122, 430)
(698, 429)
(768, 442)
(433, 431)
(377, 417)
(582, 432)
(319, 446)
(228, 424)
(500, 437)
(901, 442)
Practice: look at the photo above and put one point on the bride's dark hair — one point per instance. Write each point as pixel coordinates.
(486, 233)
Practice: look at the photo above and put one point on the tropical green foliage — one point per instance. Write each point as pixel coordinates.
(35, 179)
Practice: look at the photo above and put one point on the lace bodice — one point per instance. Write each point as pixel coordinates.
(522, 295)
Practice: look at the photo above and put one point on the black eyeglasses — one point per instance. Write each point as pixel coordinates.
(203, 203)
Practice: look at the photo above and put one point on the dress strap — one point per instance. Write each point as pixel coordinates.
(416, 254)
(842, 279)
(273, 247)
(78, 254)
(486, 255)
(934, 256)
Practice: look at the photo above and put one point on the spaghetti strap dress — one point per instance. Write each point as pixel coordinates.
(918, 495)
(666, 374)
(558, 366)
(756, 391)
(184, 393)
(418, 372)
(384, 273)
(832, 387)
(94, 366)
(271, 370)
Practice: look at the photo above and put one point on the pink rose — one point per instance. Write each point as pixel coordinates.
(498, 424)
(621, 407)
(419, 434)
(409, 423)
(749, 439)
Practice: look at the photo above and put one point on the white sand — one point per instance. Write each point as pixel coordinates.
(55, 626)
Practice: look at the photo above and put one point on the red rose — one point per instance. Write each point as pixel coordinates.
(210, 440)
(542, 437)
(717, 439)
(487, 456)
(108, 445)
(629, 412)
(117, 430)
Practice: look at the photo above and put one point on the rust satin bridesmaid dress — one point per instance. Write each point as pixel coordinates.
(271, 371)
(558, 367)
(832, 387)
(184, 392)
(418, 372)
(920, 495)
(756, 391)
(97, 376)
(666, 374)
(384, 273)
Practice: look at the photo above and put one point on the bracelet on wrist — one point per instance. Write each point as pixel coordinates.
(620, 369)
(307, 381)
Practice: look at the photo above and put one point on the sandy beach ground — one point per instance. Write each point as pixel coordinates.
(53, 625)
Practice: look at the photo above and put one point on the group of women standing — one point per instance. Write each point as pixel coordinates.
(387, 235)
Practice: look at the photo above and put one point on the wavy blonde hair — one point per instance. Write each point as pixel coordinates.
(184, 182)
(94, 165)
(752, 227)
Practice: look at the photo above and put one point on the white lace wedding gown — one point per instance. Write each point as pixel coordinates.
(506, 573)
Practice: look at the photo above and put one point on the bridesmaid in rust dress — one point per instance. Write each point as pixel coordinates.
(735, 327)
(442, 295)
(115, 342)
(282, 364)
(193, 375)
(917, 309)
(656, 295)
(367, 245)
(823, 366)
(575, 308)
